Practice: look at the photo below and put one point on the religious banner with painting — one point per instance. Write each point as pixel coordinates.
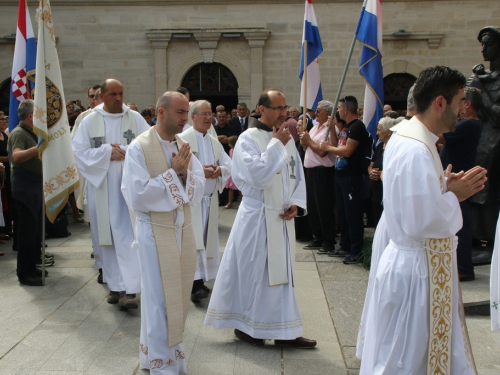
(60, 177)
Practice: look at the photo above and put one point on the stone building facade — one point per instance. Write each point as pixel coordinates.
(150, 45)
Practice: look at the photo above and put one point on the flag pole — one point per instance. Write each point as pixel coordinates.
(43, 197)
(43, 238)
(341, 85)
(304, 93)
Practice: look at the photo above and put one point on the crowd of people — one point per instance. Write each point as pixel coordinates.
(153, 180)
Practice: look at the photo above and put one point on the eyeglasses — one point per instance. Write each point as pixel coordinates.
(204, 114)
(279, 109)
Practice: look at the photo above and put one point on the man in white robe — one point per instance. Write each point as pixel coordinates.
(413, 325)
(217, 169)
(495, 283)
(100, 162)
(253, 292)
(148, 195)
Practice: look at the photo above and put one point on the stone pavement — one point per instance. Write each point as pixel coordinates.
(66, 327)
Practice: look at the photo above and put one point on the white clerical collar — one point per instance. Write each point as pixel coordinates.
(100, 109)
(165, 142)
(200, 133)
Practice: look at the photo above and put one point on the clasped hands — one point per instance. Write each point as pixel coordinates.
(283, 134)
(117, 154)
(212, 171)
(465, 184)
(180, 161)
(375, 174)
(290, 213)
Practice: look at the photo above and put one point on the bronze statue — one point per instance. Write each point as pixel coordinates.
(485, 205)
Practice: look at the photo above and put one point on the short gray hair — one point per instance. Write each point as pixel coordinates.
(473, 95)
(25, 108)
(194, 107)
(327, 106)
(410, 103)
(388, 122)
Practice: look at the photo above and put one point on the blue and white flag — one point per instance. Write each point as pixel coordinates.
(314, 49)
(369, 34)
(23, 66)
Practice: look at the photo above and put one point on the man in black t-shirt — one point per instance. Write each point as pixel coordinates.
(349, 148)
(225, 129)
(460, 151)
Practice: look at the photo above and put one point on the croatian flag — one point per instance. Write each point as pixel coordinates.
(23, 67)
(314, 49)
(369, 34)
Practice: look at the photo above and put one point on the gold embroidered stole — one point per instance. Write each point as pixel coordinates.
(273, 204)
(189, 136)
(441, 276)
(97, 138)
(176, 268)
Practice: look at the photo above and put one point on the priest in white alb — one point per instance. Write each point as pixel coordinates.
(162, 180)
(495, 283)
(253, 292)
(217, 168)
(415, 323)
(100, 145)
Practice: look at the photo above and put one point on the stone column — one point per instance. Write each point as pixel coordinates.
(160, 39)
(208, 44)
(256, 40)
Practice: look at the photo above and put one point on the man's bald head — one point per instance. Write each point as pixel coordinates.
(165, 101)
(105, 84)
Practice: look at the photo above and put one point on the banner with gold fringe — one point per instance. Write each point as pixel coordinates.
(60, 176)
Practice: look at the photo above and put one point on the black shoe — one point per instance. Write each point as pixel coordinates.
(92, 255)
(352, 259)
(38, 273)
(206, 288)
(31, 280)
(313, 246)
(338, 253)
(198, 295)
(305, 239)
(247, 338)
(323, 251)
(100, 280)
(49, 255)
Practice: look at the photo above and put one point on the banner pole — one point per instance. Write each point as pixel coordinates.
(342, 80)
(304, 93)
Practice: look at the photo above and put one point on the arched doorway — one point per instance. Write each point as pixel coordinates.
(213, 82)
(5, 95)
(396, 87)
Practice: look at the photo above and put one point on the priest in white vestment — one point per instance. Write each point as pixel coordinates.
(168, 192)
(415, 323)
(217, 168)
(253, 292)
(100, 144)
(495, 283)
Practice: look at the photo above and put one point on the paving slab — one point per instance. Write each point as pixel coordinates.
(67, 327)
